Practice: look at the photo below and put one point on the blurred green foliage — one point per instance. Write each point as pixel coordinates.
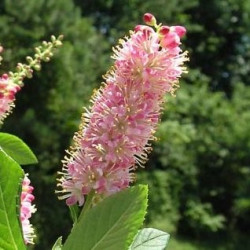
(203, 145)
(199, 170)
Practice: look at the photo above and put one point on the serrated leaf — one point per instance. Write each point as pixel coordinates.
(17, 149)
(58, 244)
(150, 239)
(11, 176)
(112, 224)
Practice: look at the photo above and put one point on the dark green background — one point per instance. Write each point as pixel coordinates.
(199, 170)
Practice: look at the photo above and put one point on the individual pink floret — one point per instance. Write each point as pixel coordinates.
(115, 133)
(26, 211)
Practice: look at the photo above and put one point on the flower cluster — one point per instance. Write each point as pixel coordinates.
(8, 89)
(26, 211)
(114, 135)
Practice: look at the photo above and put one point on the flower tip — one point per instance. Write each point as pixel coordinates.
(180, 30)
(149, 19)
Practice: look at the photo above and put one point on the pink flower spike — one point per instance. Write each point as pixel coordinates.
(116, 132)
(149, 19)
(8, 90)
(26, 211)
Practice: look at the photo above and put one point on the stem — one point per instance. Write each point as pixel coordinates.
(87, 205)
(43, 53)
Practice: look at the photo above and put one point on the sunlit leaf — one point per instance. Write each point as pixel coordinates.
(112, 224)
(11, 176)
(17, 149)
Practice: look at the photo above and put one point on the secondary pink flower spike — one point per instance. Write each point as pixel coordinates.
(115, 133)
(8, 90)
(26, 211)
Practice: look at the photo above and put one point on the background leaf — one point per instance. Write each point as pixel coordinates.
(150, 238)
(10, 178)
(112, 224)
(17, 149)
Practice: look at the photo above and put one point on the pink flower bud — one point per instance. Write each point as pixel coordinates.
(164, 30)
(179, 30)
(149, 19)
(5, 76)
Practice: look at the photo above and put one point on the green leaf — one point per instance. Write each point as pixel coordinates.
(111, 224)
(150, 238)
(58, 244)
(17, 149)
(11, 176)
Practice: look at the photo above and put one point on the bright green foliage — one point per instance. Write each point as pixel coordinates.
(111, 224)
(10, 186)
(203, 148)
(150, 238)
(17, 149)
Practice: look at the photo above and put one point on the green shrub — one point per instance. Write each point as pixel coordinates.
(203, 148)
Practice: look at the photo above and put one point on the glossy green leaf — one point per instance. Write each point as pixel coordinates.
(150, 239)
(17, 149)
(11, 176)
(112, 224)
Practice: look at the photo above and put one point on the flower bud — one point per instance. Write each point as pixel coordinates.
(37, 67)
(164, 30)
(179, 30)
(149, 19)
(5, 76)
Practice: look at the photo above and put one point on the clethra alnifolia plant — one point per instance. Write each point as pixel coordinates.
(113, 140)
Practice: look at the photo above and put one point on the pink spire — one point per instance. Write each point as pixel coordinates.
(26, 211)
(115, 133)
(8, 90)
